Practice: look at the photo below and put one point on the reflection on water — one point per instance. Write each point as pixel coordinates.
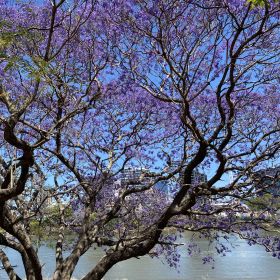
(244, 262)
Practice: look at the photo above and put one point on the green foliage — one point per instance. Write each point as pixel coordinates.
(53, 214)
(93, 216)
(263, 202)
(256, 3)
(6, 39)
(33, 66)
(50, 221)
(36, 228)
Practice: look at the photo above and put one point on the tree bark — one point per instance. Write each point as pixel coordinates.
(8, 267)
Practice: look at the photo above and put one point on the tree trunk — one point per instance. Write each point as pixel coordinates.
(8, 267)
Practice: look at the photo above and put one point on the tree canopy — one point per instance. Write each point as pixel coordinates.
(108, 109)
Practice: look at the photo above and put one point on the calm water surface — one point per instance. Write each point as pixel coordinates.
(244, 262)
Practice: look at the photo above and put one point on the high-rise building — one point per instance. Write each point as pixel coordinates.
(268, 181)
(197, 177)
(138, 177)
(135, 176)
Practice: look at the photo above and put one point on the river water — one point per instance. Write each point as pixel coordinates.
(243, 262)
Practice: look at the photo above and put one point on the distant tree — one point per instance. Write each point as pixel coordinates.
(261, 3)
(263, 202)
(267, 191)
(90, 88)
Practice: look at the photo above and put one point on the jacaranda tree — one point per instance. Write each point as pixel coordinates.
(91, 89)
